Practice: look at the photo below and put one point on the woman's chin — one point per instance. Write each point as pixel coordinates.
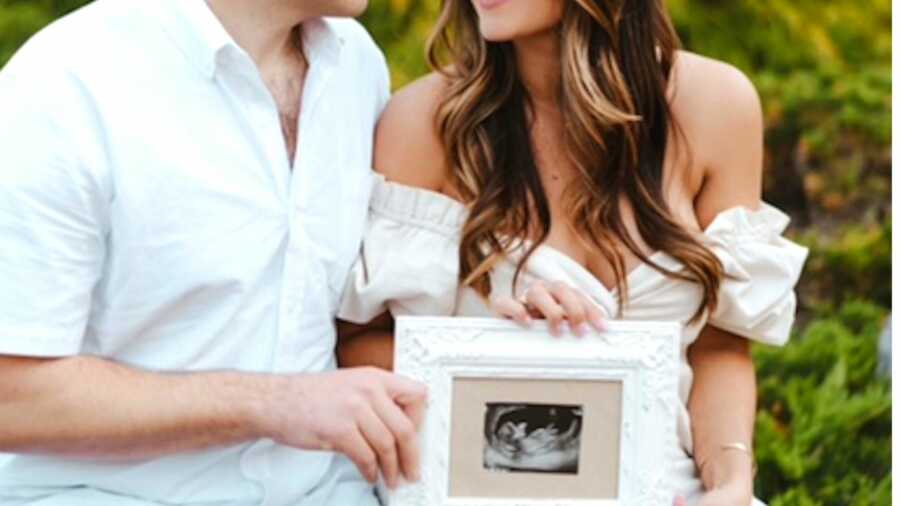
(493, 33)
(499, 32)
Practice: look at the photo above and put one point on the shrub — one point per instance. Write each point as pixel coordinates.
(853, 261)
(823, 434)
(823, 70)
(19, 19)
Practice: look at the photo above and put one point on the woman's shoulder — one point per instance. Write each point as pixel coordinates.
(718, 109)
(705, 84)
(408, 148)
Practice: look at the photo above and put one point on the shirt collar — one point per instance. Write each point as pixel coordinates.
(201, 37)
(322, 43)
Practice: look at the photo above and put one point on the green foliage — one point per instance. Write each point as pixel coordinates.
(853, 262)
(401, 28)
(823, 70)
(824, 427)
(19, 19)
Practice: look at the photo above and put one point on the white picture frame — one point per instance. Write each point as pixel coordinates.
(643, 356)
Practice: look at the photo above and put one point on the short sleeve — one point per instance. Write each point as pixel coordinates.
(53, 205)
(409, 262)
(757, 299)
(371, 62)
(384, 84)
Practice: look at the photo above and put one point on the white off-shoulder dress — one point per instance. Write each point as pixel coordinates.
(409, 265)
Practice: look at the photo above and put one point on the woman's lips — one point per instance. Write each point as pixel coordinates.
(490, 4)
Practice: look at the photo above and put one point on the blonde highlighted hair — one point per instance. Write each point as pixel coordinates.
(617, 58)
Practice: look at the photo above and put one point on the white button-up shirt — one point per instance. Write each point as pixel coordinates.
(149, 214)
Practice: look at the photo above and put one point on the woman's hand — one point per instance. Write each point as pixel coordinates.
(556, 302)
(726, 495)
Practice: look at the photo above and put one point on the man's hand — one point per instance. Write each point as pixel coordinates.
(370, 415)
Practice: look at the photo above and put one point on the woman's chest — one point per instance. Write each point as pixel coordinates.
(569, 238)
(622, 231)
(651, 296)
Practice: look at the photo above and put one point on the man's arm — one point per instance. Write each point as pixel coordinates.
(86, 407)
(92, 408)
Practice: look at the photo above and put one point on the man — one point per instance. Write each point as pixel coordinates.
(183, 187)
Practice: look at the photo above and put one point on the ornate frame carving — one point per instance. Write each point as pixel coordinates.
(643, 355)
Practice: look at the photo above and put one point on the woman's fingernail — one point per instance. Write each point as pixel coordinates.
(598, 323)
(582, 330)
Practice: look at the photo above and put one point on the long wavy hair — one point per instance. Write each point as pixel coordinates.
(616, 59)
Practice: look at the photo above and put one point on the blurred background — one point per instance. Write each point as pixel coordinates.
(823, 69)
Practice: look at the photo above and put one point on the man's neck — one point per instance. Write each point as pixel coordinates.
(263, 28)
(267, 31)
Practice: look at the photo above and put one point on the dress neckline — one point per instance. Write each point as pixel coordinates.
(439, 212)
(438, 205)
(631, 277)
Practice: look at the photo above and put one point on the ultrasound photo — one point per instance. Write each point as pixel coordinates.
(534, 438)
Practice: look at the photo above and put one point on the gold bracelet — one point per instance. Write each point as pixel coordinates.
(742, 448)
(737, 446)
(732, 446)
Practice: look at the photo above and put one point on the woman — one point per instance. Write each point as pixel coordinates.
(565, 158)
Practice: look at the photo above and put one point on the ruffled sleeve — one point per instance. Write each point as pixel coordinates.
(409, 261)
(757, 298)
